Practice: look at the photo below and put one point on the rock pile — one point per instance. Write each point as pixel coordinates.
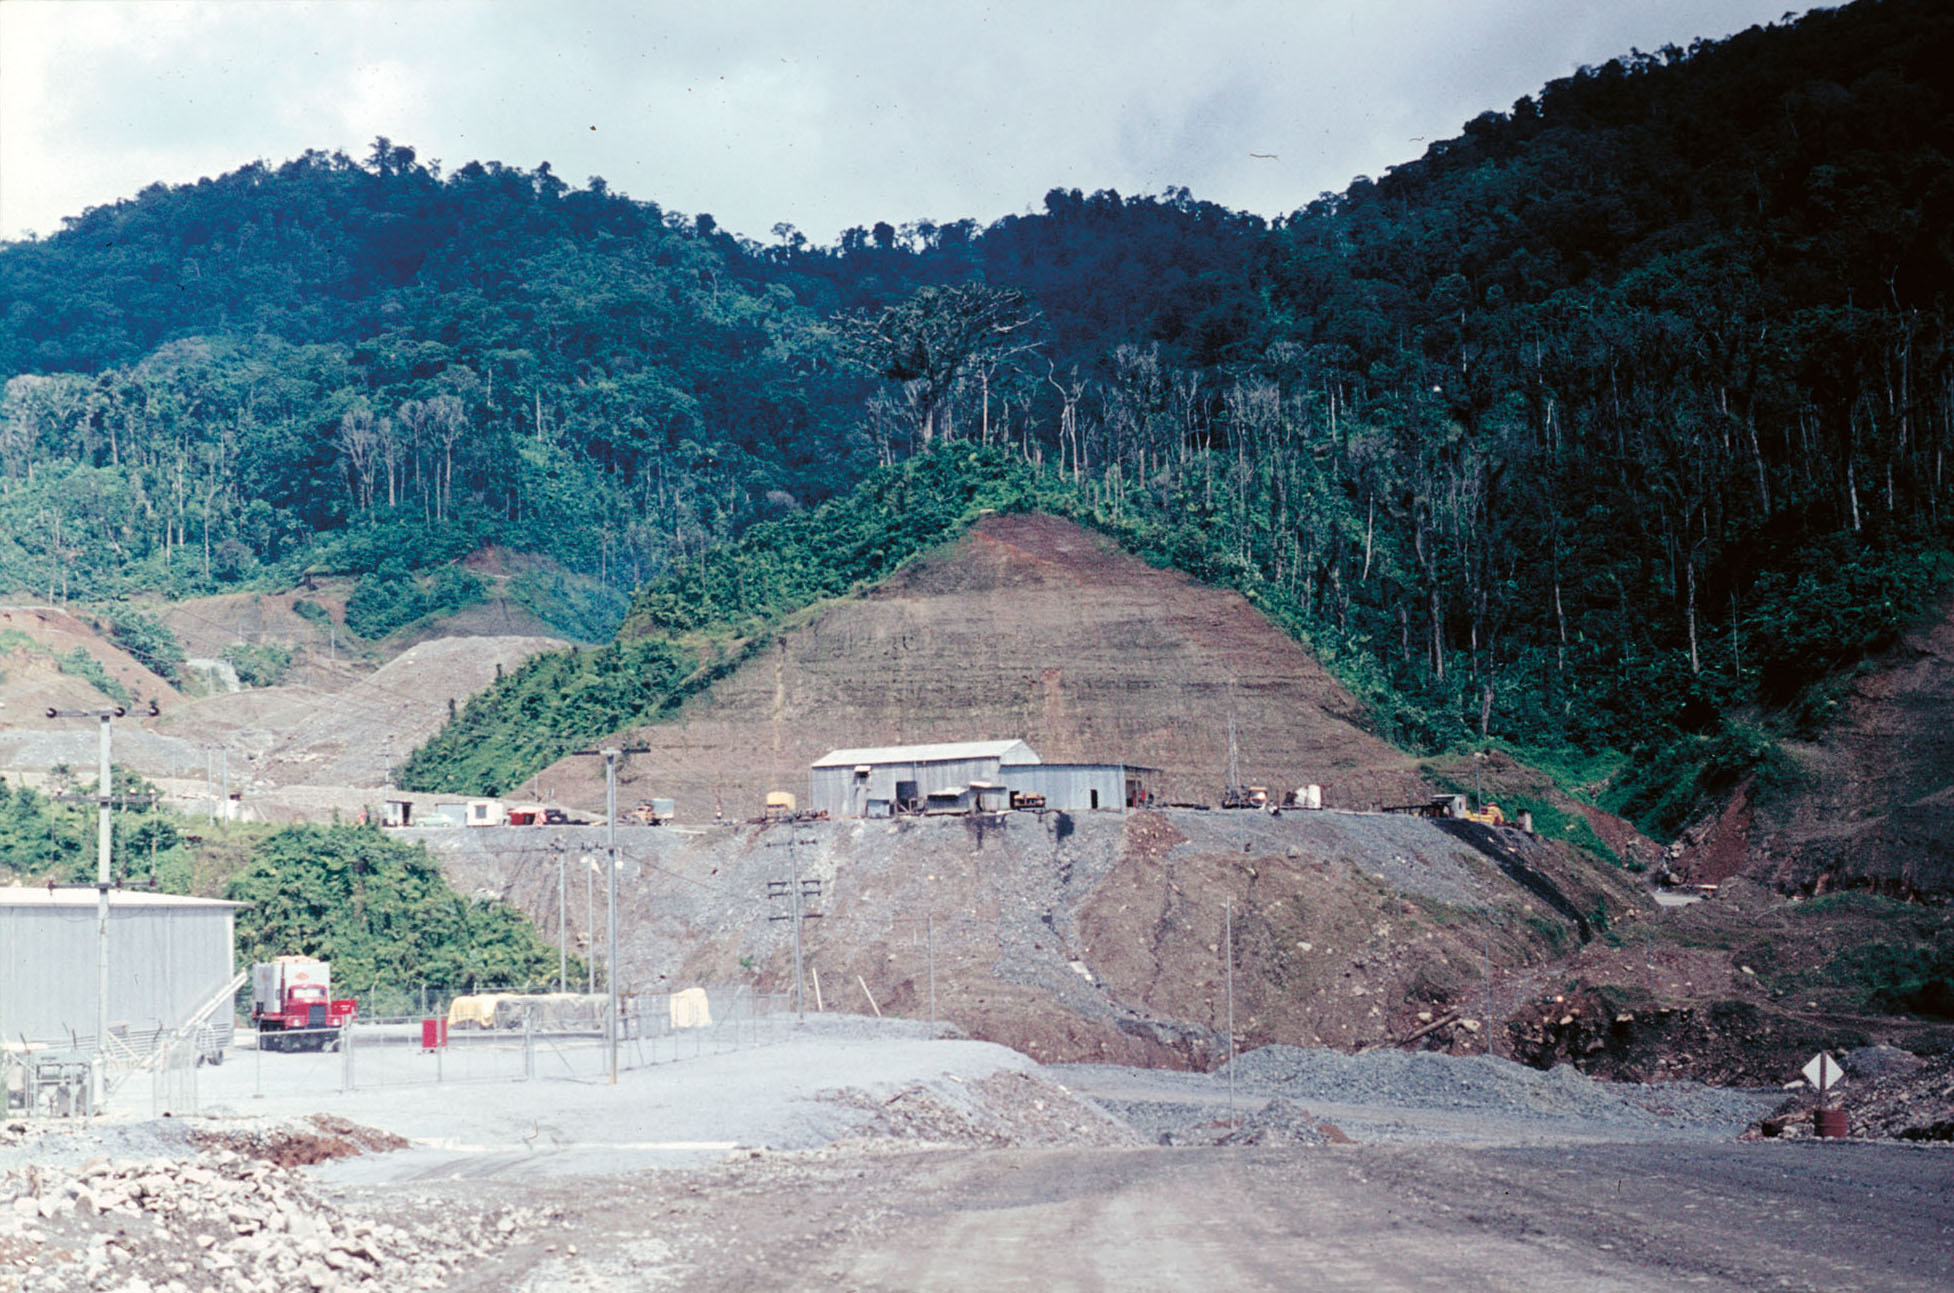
(220, 1220)
(1005, 1109)
(1888, 1094)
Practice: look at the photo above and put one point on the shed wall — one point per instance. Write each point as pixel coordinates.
(164, 962)
(840, 793)
(1070, 787)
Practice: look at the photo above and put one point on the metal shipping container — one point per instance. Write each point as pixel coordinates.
(167, 956)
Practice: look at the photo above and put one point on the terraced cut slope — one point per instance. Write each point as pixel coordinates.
(1033, 627)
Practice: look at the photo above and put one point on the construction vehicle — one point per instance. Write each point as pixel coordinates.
(292, 1005)
(653, 812)
(1457, 807)
(1245, 797)
(782, 806)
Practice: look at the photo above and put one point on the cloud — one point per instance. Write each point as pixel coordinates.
(822, 115)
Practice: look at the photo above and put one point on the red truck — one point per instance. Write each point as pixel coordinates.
(292, 1005)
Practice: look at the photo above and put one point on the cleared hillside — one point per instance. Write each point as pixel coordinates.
(323, 740)
(1030, 626)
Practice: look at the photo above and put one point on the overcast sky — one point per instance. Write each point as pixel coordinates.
(819, 113)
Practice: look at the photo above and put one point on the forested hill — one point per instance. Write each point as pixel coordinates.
(1620, 416)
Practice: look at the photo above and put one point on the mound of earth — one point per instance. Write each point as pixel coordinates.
(355, 737)
(1091, 936)
(1873, 805)
(1031, 627)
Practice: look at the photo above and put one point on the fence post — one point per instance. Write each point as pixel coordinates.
(346, 1056)
(528, 1045)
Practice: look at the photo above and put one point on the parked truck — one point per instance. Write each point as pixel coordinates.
(292, 1005)
(652, 812)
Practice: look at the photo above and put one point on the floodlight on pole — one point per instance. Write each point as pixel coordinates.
(611, 754)
(104, 797)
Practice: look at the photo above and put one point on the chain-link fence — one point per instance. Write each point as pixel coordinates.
(494, 1037)
(173, 1078)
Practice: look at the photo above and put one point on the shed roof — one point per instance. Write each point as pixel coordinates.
(84, 896)
(1002, 751)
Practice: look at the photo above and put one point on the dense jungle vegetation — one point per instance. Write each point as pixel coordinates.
(1620, 420)
(378, 909)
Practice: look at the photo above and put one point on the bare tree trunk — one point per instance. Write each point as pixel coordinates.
(1560, 620)
(1370, 524)
(1438, 636)
(1695, 662)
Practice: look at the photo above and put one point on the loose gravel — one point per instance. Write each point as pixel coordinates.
(1481, 1083)
(223, 1220)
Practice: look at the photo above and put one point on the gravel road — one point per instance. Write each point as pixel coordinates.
(1611, 1217)
(861, 1154)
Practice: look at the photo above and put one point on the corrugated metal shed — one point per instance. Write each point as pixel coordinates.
(167, 955)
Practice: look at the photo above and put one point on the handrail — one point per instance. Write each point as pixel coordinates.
(133, 1062)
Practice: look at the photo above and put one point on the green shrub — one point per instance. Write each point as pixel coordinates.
(573, 606)
(79, 664)
(392, 598)
(381, 911)
(1663, 786)
(1896, 978)
(259, 666)
(544, 708)
(150, 641)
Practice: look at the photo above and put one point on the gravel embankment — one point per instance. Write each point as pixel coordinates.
(1286, 1094)
(1481, 1083)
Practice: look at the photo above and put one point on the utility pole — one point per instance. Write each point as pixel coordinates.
(104, 797)
(797, 890)
(1228, 938)
(610, 946)
(611, 755)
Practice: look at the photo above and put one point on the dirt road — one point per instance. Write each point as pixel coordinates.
(1618, 1216)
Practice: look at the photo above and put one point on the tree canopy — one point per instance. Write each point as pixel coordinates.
(1617, 418)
